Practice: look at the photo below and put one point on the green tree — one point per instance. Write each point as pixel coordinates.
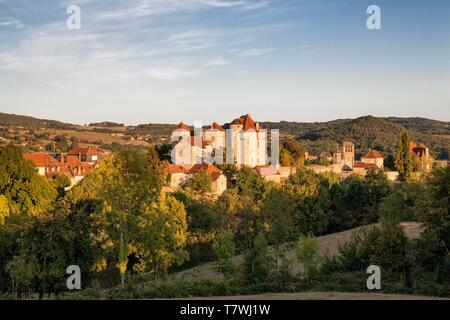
(308, 254)
(60, 183)
(200, 183)
(257, 262)
(286, 159)
(27, 192)
(224, 249)
(433, 210)
(127, 189)
(404, 157)
(296, 150)
(249, 182)
(4, 209)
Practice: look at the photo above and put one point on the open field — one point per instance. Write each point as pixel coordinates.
(94, 136)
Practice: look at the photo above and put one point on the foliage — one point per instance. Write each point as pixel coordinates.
(257, 263)
(224, 249)
(308, 253)
(404, 157)
(60, 183)
(199, 183)
(26, 191)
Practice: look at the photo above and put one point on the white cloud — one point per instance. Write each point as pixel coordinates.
(252, 52)
(170, 73)
(217, 61)
(11, 22)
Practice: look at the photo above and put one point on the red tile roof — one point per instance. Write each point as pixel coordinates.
(87, 151)
(359, 164)
(373, 154)
(209, 168)
(248, 122)
(182, 126)
(173, 168)
(216, 126)
(41, 159)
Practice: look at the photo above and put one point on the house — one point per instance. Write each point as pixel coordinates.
(180, 175)
(89, 155)
(66, 165)
(325, 156)
(72, 167)
(373, 157)
(45, 164)
(275, 174)
(218, 179)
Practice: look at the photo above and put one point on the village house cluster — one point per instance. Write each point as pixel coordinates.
(194, 150)
(75, 164)
(201, 149)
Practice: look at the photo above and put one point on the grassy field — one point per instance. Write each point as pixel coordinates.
(94, 137)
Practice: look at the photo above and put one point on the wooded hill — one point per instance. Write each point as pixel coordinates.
(366, 132)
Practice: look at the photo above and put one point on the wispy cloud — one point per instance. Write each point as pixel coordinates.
(142, 8)
(252, 52)
(217, 61)
(11, 22)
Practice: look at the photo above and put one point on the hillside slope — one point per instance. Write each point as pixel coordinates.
(7, 119)
(329, 244)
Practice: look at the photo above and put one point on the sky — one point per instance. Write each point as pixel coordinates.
(165, 61)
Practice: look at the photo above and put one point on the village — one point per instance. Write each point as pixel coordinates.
(203, 150)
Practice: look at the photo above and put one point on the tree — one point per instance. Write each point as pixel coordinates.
(249, 182)
(130, 206)
(200, 183)
(229, 170)
(122, 258)
(4, 209)
(433, 210)
(26, 191)
(257, 262)
(60, 183)
(224, 249)
(296, 150)
(308, 253)
(404, 157)
(286, 159)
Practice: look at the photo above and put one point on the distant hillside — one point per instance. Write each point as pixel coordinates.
(367, 132)
(423, 125)
(7, 119)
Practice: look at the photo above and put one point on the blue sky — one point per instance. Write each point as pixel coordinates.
(142, 61)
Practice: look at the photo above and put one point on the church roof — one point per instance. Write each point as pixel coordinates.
(182, 126)
(373, 154)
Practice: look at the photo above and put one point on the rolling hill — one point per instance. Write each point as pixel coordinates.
(366, 132)
(28, 122)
